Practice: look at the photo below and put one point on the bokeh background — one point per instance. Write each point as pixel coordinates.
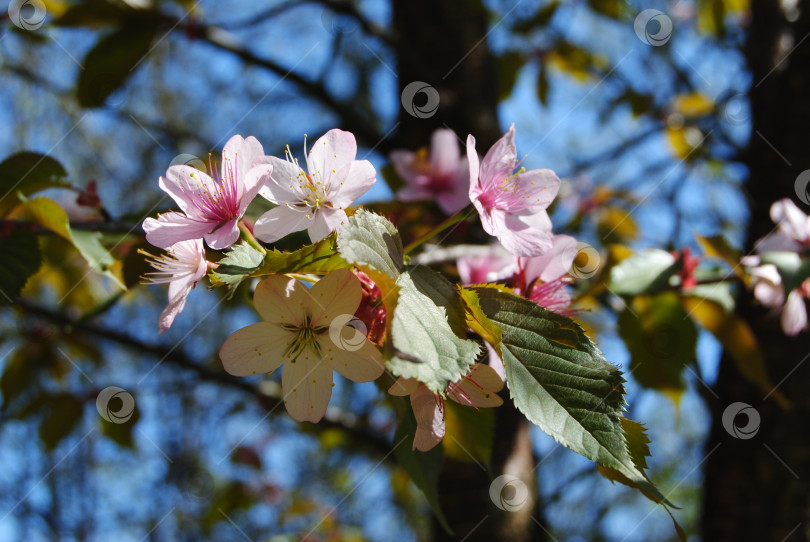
(650, 138)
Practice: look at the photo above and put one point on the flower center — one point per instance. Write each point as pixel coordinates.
(306, 336)
(219, 202)
(311, 185)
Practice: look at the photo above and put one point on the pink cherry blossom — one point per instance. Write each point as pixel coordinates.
(305, 329)
(314, 200)
(478, 388)
(443, 175)
(512, 204)
(181, 267)
(497, 264)
(211, 207)
(792, 239)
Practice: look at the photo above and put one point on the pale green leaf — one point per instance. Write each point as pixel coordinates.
(644, 272)
(371, 240)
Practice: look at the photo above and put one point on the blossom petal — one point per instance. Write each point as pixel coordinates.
(327, 220)
(522, 235)
(254, 182)
(330, 157)
(500, 160)
(428, 409)
(173, 227)
(444, 154)
(338, 294)
(255, 349)
(457, 198)
(281, 221)
(495, 361)
(307, 387)
(237, 159)
(794, 314)
(280, 300)
(359, 179)
(555, 263)
(184, 184)
(223, 236)
(402, 161)
(403, 386)
(475, 169)
(791, 220)
(479, 388)
(362, 364)
(284, 185)
(178, 292)
(538, 187)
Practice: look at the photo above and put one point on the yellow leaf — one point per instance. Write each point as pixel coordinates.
(739, 341)
(693, 104)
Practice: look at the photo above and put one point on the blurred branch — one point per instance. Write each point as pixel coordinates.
(351, 120)
(114, 226)
(361, 438)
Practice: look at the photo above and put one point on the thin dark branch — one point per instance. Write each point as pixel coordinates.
(362, 438)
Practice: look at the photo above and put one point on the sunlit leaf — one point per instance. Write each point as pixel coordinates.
(469, 433)
(644, 272)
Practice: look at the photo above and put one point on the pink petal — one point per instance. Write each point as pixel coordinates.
(495, 362)
(256, 349)
(173, 227)
(794, 314)
(238, 155)
(791, 220)
(330, 157)
(281, 221)
(479, 388)
(178, 292)
(402, 161)
(555, 263)
(327, 220)
(284, 183)
(224, 236)
(360, 177)
(522, 235)
(428, 409)
(499, 161)
(538, 187)
(254, 182)
(307, 387)
(183, 183)
(444, 153)
(472, 158)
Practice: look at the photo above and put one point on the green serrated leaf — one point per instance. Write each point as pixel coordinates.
(429, 331)
(26, 173)
(422, 467)
(49, 214)
(371, 240)
(644, 272)
(661, 338)
(237, 265)
(477, 320)
(113, 59)
(20, 258)
(320, 258)
(562, 382)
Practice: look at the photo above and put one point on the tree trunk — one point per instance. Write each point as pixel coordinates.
(442, 44)
(757, 488)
